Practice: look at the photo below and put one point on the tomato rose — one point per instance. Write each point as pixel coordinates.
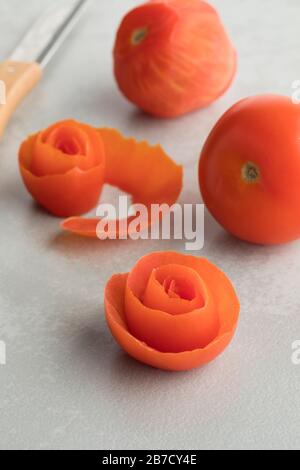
(63, 168)
(250, 170)
(172, 311)
(172, 56)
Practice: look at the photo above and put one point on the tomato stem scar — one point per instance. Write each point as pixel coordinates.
(139, 35)
(250, 173)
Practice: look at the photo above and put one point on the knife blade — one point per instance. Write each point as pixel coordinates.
(23, 70)
(48, 32)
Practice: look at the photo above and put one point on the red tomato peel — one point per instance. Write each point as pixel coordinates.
(172, 341)
(172, 57)
(143, 171)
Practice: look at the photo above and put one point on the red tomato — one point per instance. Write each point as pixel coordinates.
(249, 170)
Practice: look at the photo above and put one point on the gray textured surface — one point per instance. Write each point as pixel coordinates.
(66, 383)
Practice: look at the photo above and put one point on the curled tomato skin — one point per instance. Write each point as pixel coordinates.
(172, 311)
(172, 57)
(249, 170)
(63, 168)
(144, 171)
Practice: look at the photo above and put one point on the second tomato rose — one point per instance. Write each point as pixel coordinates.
(172, 311)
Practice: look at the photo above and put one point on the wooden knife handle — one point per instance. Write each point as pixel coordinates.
(16, 80)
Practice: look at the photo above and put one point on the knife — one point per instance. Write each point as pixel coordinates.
(24, 69)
